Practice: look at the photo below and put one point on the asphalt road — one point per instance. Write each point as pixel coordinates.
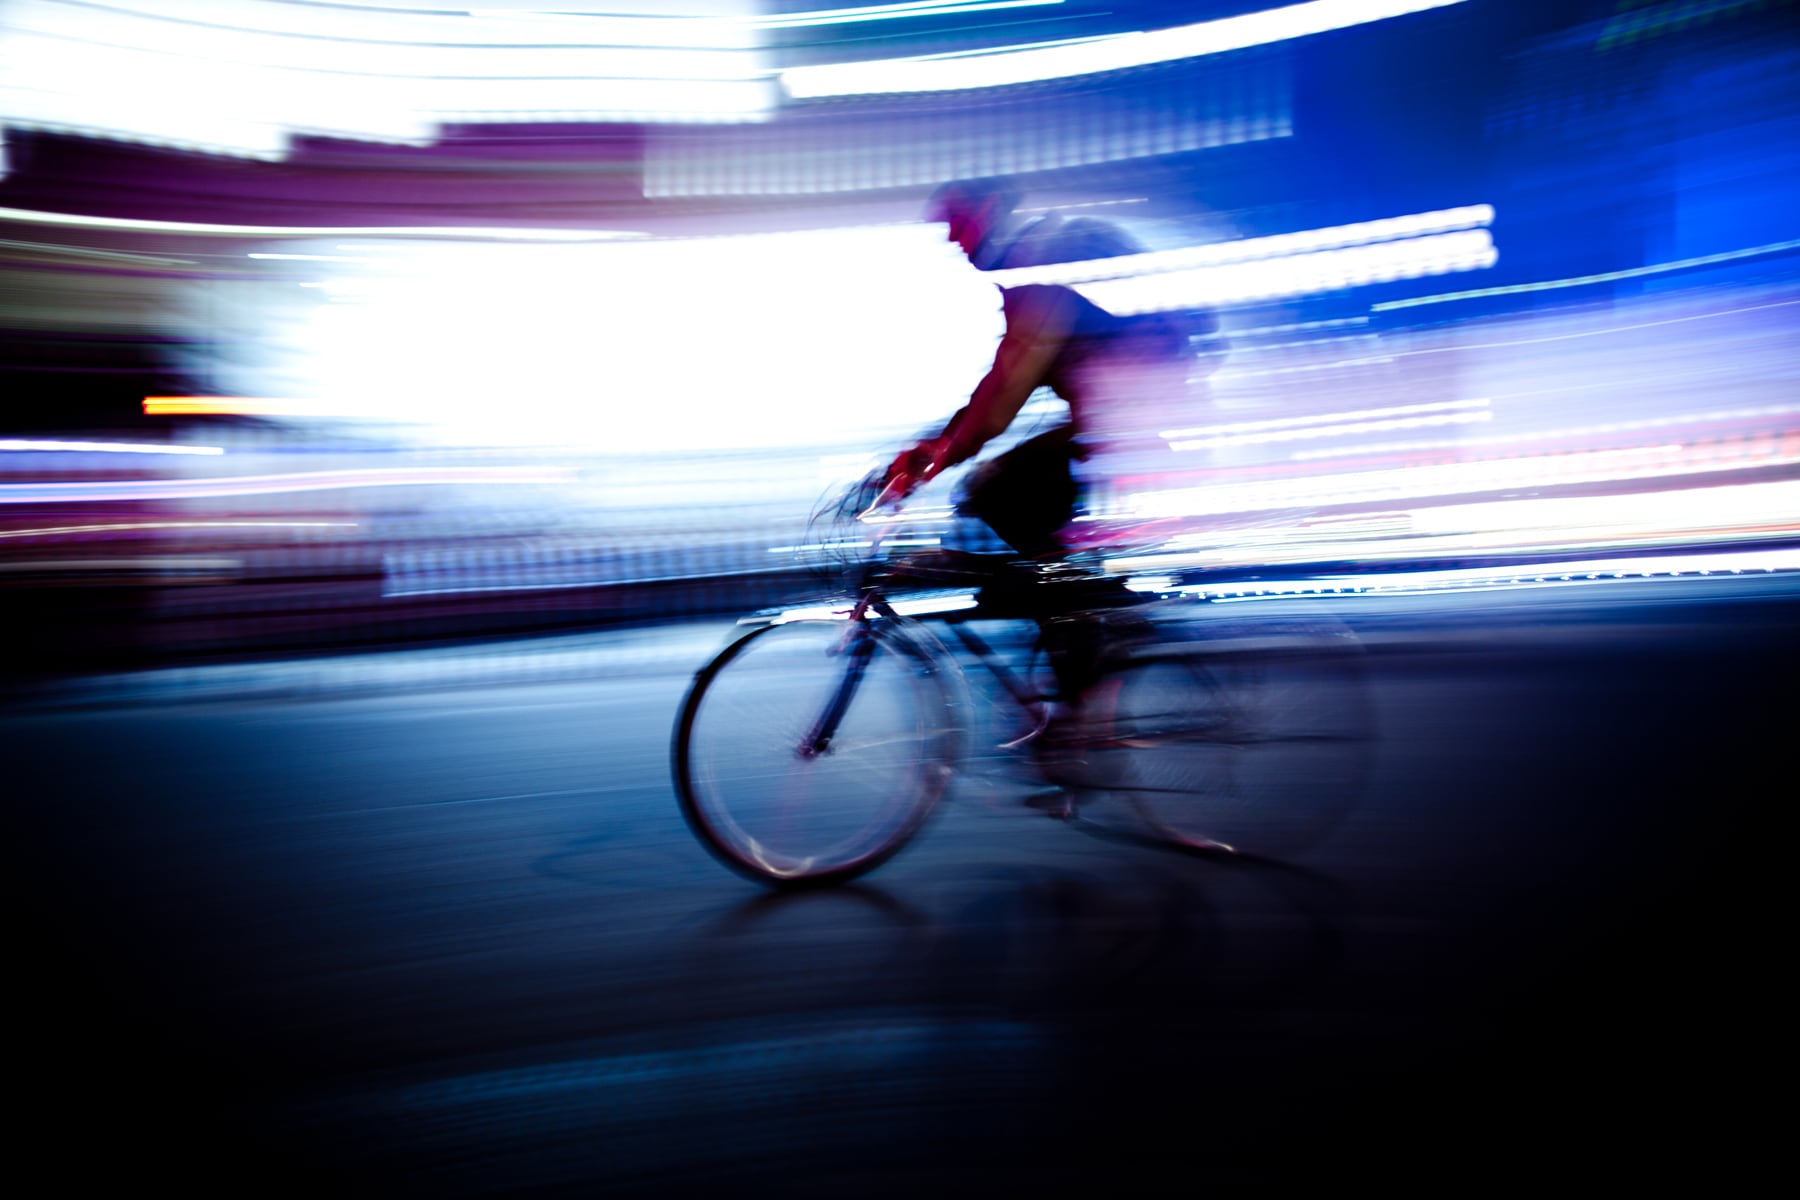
(445, 933)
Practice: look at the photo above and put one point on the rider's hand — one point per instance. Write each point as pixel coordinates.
(911, 467)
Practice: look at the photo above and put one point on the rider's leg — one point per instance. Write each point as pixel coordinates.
(1027, 495)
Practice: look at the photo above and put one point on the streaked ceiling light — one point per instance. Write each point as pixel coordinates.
(89, 491)
(8, 445)
(154, 70)
(486, 233)
(1029, 64)
(1260, 249)
(1294, 274)
(890, 12)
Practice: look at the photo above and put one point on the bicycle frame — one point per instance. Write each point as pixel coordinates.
(1191, 732)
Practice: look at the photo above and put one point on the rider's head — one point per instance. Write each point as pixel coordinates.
(974, 209)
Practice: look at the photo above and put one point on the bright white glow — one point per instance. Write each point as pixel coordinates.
(934, 604)
(1294, 275)
(309, 257)
(1451, 479)
(32, 216)
(1031, 63)
(815, 613)
(910, 607)
(8, 444)
(156, 70)
(1718, 515)
(672, 344)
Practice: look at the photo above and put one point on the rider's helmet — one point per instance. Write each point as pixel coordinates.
(975, 210)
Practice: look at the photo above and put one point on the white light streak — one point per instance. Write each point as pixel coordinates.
(155, 72)
(1513, 576)
(1642, 521)
(265, 485)
(347, 258)
(1294, 275)
(1027, 64)
(32, 444)
(1546, 285)
(135, 526)
(889, 12)
(1361, 414)
(1254, 250)
(1323, 431)
(484, 233)
(910, 607)
(1449, 479)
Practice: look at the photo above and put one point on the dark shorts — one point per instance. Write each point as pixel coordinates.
(1028, 494)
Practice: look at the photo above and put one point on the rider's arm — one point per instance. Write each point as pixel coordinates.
(1038, 322)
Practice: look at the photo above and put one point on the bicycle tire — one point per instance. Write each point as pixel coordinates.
(1247, 735)
(789, 819)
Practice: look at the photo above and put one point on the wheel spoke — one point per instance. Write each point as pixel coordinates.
(763, 801)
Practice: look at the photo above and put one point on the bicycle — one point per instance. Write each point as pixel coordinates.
(817, 743)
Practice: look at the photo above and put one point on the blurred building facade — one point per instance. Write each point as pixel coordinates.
(1627, 152)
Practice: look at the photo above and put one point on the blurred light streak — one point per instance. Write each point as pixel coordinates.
(889, 12)
(1294, 275)
(913, 606)
(91, 254)
(1566, 435)
(1254, 250)
(185, 565)
(1507, 577)
(154, 72)
(263, 485)
(1462, 478)
(31, 444)
(1603, 331)
(1293, 435)
(201, 228)
(235, 406)
(1718, 515)
(1278, 423)
(1515, 289)
(1027, 64)
(809, 547)
(344, 258)
(134, 526)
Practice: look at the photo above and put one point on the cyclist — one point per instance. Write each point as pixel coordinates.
(1123, 378)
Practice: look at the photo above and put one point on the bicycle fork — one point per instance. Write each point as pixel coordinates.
(861, 644)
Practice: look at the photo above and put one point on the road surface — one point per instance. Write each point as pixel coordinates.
(430, 923)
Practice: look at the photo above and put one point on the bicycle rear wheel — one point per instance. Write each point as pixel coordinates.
(1250, 735)
(810, 752)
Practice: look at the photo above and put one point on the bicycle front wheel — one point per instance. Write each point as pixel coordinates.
(810, 752)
